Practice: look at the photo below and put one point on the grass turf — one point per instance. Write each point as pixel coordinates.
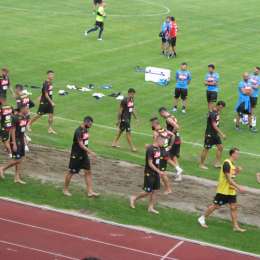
(117, 209)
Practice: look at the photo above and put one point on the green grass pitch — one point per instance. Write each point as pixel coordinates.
(40, 35)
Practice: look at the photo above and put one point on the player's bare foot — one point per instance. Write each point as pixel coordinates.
(93, 195)
(258, 177)
(2, 176)
(202, 222)
(134, 150)
(167, 192)
(19, 181)
(132, 202)
(239, 229)
(153, 211)
(51, 131)
(29, 129)
(115, 145)
(217, 165)
(203, 167)
(67, 193)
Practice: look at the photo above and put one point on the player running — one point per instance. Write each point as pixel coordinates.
(99, 25)
(175, 141)
(20, 121)
(6, 113)
(126, 110)
(243, 106)
(183, 79)
(211, 82)
(213, 136)
(152, 175)
(226, 191)
(5, 84)
(172, 38)
(46, 103)
(255, 82)
(79, 159)
(165, 158)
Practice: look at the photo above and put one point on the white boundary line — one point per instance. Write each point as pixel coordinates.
(172, 250)
(37, 250)
(84, 238)
(149, 135)
(141, 229)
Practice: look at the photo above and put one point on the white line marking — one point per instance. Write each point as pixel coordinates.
(82, 238)
(172, 250)
(37, 250)
(149, 135)
(141, 229)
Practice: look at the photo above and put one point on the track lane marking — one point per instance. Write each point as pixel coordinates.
(172, 250)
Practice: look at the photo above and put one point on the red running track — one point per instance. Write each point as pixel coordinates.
(30, 233)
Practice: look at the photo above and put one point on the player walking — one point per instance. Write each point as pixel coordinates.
(213, 136)
(126, 110)
(152, 175)
(226, 191)
(20, 121)
(212, 83)
(79, 159)
(172, 38)
(183, 79)
(46, 103)
(5, 84)
(99, 25)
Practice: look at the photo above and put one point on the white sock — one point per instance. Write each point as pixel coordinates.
(178, 168)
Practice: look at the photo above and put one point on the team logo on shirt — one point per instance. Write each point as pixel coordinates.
(183, 77)
(157, 154)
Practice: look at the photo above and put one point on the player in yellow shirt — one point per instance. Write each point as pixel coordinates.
(226, 191)
(99, 25)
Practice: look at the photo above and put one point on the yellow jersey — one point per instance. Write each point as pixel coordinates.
(100, 14)
(223, 186)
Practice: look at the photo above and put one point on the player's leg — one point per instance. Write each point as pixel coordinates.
(174, 47)
(203, 158)
(238, 119)
(233, 213)
(166, 182)
(219, 151)
(152, 202)
(93, 29)
(184, 95)
(17, 178)
(121, 129)
(101, 30)
(6, 142)
(176, 99)
(208, 212)
(89, 184)
(134, 199)
(179, 170)
(68, 177)
(50, 124)
(32, 121)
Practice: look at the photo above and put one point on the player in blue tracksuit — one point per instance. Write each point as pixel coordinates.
(211, 82)
(163, 35)
(244, 105)
(183, 79)
(255, 81)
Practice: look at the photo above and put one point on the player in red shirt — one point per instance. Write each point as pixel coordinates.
(172, 38)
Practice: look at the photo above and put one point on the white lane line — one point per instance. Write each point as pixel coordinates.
(172, 250)
(149, 135)
(83, 238)
(37, 250)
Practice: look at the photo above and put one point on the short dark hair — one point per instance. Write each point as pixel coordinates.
(172, 18)
(88, 119)
(50, 71)
(153, 119)
(131, 90)
(257, 67)
(162, 109)
(184, 63)
(221, 103)
(233, 150)
(211, 66)
(19, 86)
(5, 70)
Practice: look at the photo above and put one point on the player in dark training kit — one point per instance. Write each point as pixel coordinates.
(5, 84)
(175, 141)
(6, 113)
(21, 98)
(20, 121)
(213, 136)
(152, 175)
(79, 159)
(126, 110)
(46, 102)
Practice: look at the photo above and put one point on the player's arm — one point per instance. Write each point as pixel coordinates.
(48, 97)
(153, 167)
(226, 170)
(13, 135)
(173, 123)
(214, 125)
(119, 114)
(134, 114)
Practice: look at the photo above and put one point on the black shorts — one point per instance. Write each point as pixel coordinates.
(173, 41)
(125, 126)
(5, 135)
(95, 2)
(164, 159)
(45, 108)
(181, 92)
(79, 162)
(151, 182)
(212, 96)
(175, 151)
(100, 25)
(242, 110)
(20, 153)
(164, 40)
(221, 199)
(253, 101)
(211, 140)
